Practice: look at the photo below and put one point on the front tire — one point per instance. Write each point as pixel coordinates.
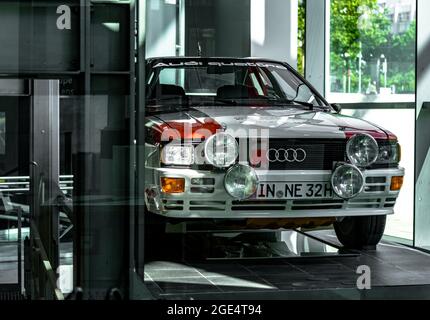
(360, 232)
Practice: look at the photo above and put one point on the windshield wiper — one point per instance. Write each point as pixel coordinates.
(165, 99)
(176, 101)
(271, 100)
(292, 102)
(163, 104)
(303, 103)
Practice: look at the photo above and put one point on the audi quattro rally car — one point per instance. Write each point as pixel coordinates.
(251, 140)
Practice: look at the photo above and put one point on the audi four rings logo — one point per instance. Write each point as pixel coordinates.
(286, 155)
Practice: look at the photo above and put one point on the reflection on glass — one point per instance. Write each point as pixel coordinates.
(2, 133)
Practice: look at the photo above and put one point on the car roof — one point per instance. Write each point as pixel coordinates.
(153, 59)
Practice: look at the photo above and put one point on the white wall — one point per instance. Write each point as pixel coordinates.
(317, 35)
(274, 28)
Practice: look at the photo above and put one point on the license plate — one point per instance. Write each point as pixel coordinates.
(293, 191)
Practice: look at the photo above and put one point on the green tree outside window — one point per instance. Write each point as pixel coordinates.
(366, 54)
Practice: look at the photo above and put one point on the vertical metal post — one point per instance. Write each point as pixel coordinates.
(132, 161)
(137, 287)
(140, 127)
(28, 281)
(80, 267)
(104, 235)
(19, 241)
(44, 171)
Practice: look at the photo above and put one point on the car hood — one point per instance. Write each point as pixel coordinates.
(277, 122)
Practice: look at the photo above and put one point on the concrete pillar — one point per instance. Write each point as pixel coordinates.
(274, 28)
(317, 43)
(162, 28)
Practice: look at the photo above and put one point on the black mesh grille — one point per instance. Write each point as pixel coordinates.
(320, 154)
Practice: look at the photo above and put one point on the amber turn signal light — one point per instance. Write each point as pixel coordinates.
(173, 185)
(396, 183)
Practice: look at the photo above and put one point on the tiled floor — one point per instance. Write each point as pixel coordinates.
(392, 266)
(233, 277)
(397, 272)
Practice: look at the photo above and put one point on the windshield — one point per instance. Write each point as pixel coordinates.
(227, 83)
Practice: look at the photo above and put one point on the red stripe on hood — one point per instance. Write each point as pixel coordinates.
(189, 129)
(378, 135)
(391, 136)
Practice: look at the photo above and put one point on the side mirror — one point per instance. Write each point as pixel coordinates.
(337, 107)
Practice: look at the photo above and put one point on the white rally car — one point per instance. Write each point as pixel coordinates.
(250, 141)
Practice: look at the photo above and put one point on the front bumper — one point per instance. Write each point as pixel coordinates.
(212, 201)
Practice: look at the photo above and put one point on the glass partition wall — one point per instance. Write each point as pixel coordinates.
(371, 72)
(67, 141)
(370, 69)
(422, 174)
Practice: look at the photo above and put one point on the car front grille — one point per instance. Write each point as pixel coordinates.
(287, 206)
(374, 196)
(305, 205)
(320, 154)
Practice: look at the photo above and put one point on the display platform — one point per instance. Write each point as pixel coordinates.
(277, 265)
(295, 266)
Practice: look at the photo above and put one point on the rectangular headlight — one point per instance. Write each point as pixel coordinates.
(389, 153)
(180, 155)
